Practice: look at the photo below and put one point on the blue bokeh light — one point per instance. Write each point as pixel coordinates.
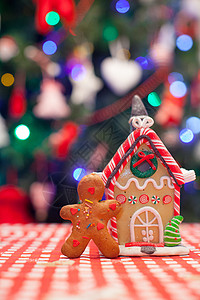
(178, 89)
(49, 47)
(186, 135)
(78, 72)
(175, 76)
(184, 42)
(193, 123)
(145, 62)
(122, 6)
(79, 173)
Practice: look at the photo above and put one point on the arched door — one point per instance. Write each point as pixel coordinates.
(146, 226)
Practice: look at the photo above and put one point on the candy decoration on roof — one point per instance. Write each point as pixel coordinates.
(51, 102)
(139, 117)
(172, 235)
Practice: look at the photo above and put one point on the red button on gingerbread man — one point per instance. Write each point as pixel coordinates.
(90, 219)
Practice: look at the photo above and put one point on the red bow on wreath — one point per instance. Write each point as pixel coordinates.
(65, 9)
(145, 157)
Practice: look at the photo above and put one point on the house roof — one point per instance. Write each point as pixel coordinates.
(130, 146)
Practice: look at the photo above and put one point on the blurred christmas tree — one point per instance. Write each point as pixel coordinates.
(69, 70)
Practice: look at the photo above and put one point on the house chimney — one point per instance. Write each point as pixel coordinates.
(139, 116)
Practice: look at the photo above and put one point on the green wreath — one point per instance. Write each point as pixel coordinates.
(143, 164)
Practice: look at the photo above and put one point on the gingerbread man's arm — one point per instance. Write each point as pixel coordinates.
(109, 208)
(67, 212)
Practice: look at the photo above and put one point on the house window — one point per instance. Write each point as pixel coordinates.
(143, 164)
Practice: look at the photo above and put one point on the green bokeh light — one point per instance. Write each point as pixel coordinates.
(22, 132)
(154, 99)
(52, 18)
(110, 33)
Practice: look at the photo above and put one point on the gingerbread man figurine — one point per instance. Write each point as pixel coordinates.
(90, 219)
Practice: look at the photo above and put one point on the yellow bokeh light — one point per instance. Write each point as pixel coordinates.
(7, 79)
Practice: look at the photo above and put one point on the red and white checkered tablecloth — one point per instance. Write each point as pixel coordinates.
(32, 267)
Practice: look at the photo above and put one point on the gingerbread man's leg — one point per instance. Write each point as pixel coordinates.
(74, 245)
(106, 244)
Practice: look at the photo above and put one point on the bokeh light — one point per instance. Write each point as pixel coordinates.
(52, 18)
(78, 72)
(175, 76)
(22, 132)
(79, 173)
(122, 6)
(184, 42)
(110, 33)
(49, 47)
(154, 99)
(193, 123)
(178, 89)
(7, 79)
(186, 135)
(145, 62)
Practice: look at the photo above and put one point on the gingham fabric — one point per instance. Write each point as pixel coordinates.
(171, 163)
(32, 268)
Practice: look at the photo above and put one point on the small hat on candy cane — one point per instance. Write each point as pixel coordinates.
(139, 116)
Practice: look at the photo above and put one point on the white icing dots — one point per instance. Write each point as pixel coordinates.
(143, 232)
(145, 239)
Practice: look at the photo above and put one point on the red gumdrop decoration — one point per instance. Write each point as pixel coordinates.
(121, 198)
(144, 199)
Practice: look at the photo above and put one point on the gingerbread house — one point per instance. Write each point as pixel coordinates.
(146, 179)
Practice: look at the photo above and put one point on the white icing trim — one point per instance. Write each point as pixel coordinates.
(188, 175)
(141, 121)
(146, 224)
(141, 187)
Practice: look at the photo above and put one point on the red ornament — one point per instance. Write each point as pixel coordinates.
(171, 111)
(65, 9)
(63, 139)
(14, 205)
(195, 91)
(17, 103)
